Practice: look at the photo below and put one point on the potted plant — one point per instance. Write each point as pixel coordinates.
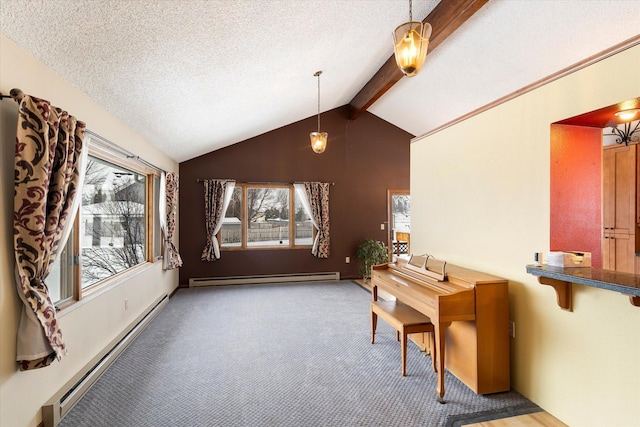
(371, 252)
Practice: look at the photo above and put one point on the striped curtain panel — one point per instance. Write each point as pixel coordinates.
(49, 163)
(172, 258)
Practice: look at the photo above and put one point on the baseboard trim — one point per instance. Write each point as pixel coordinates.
(61, 403)
(272, 278)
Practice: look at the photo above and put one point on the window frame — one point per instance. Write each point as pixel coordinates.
(153, 217)
(102, 152)
(245, 221)
(71, 272)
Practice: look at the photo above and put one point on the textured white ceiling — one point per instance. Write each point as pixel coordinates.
(194, 76)
(505, 46)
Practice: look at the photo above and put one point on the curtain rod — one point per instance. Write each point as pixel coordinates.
(127, 153)
(255, 183)
(301, 182)
(17, 95)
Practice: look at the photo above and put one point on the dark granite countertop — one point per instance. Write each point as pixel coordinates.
(626, 283)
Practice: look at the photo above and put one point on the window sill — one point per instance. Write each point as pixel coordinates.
(92, 292)
(270, 248)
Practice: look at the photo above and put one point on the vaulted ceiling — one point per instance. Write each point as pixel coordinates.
(193, 76)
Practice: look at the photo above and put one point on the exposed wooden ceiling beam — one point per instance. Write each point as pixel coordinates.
(445, 18)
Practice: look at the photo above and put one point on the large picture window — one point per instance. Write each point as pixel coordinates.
(113, 221)
(117, 227)
(265, 216)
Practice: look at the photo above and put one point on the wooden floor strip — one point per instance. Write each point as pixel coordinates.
(537, 419)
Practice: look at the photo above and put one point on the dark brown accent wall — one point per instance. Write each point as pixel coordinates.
(363, 158)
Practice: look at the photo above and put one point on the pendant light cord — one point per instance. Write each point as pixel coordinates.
(410, 12)
(317, 74)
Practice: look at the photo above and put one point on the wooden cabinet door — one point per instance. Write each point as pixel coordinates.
(608, 190)
(608, 253)
(619, 189)
(619, 252)
(625, 252)
(619, 208)
(637, 189)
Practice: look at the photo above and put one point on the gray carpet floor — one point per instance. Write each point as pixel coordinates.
(296, 354)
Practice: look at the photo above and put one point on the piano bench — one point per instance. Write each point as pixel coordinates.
(405, 320)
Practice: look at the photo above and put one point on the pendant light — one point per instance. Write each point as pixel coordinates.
(318, 139)
(629, 133)
(626, 115)
(410, 43)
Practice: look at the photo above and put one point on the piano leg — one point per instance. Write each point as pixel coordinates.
(432, 350)
(374, 317)
(403, 352)
(440, 337)
(374, 324)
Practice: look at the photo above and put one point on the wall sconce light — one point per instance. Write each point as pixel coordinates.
(626, 134)
(410, 44)
(318, 139)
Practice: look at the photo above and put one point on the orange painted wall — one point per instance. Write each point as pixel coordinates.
(576, 194)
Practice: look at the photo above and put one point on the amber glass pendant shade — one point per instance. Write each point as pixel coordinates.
(411, 41)
(318, 141)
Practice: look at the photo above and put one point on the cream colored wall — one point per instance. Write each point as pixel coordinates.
(90, 326)
(480, 198)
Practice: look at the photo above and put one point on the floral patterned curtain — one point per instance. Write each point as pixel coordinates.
(49, 163)
(318, 195)
(172, 258)
(217, 195)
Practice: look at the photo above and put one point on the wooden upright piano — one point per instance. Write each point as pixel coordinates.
(470, 313)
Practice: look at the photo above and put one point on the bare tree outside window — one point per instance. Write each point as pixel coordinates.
(401, 212)
(268, 211)
(114, 221)
(256, 199)
(268, 216)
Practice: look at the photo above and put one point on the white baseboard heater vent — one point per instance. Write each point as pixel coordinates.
(273, 278)
(60, 404)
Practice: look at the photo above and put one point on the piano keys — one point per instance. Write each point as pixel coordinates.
(470, 314)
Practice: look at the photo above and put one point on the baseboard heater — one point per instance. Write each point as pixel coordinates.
(273, 278)
(60, 404)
